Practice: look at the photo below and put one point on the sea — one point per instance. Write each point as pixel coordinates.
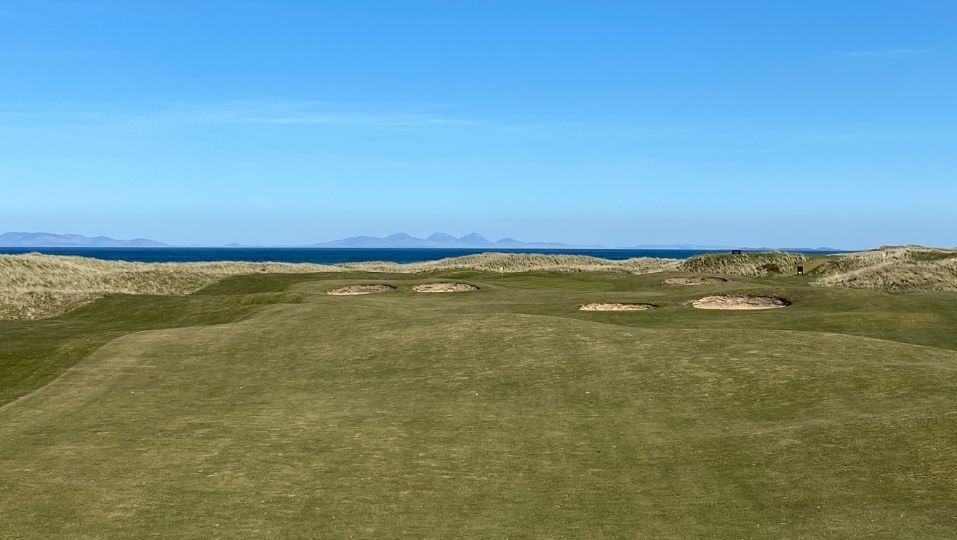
(332, 255)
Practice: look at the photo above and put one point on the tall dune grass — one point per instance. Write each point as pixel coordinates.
(751, 264)
(34, 286)
(892, 268)
(523, 262)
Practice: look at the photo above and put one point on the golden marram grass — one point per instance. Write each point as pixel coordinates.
(33, 286)
(895, 268)
(523, 262)
(748, 264)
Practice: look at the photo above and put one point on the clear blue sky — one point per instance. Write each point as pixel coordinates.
(615, 122)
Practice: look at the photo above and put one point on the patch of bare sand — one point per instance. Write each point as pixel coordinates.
(353, 290)
(615, 307)
(734, 301)
(690, 281)
(444, 287)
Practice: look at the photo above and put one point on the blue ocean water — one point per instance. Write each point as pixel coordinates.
(325, 255)
(330, 255)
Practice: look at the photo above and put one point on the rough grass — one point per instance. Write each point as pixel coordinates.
(33, 286)
(892, 268)
(746, 264)
(523, 262)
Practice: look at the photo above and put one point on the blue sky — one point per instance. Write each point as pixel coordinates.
(619, 123)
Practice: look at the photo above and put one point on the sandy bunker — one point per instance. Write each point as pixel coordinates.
(444, 287)
(737, 301)
(616, 307)
(352, 290)
(689, 281)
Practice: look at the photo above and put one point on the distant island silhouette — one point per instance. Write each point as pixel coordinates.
(42, 239)
(443, 240)
(396, 241)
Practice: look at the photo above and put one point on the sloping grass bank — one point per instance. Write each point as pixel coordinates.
(34, 286)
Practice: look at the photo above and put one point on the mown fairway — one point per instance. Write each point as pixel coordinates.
(263, 407)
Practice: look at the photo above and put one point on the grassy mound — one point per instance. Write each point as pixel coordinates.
(745, 264)
(523, 262)
(33, 286)
(892, 268)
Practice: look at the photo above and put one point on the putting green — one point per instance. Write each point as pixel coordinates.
(274, 409)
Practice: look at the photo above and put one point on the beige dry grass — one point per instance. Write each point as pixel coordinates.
(524, 262)
(34, 286)
(735, 301)
(444, 287)
(746, 264)
(616, 307)
(897, 268)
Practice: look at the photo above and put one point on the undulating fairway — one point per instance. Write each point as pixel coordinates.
(262, 407)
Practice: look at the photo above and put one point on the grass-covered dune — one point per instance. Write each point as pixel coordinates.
(744, 264)
(900, 268)
(33, 286)
(524, 262)
(261, 406)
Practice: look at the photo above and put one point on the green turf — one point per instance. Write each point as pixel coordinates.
(262, 407)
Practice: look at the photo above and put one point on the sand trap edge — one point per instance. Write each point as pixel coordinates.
(615, 306)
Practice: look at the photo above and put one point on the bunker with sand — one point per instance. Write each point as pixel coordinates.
(740, 301)
(444, 287)
(354, 290)
(696, 280)
(612, 306)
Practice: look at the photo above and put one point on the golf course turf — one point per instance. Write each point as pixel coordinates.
(261, 406)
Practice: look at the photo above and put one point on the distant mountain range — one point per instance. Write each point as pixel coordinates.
(442, 240)
(477, 241)
(27, 240)
(400, 240)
